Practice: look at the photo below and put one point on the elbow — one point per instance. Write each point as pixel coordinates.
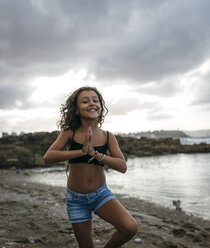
(46, 159)
(124, 169)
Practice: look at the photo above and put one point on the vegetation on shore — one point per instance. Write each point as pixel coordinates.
(27, 150)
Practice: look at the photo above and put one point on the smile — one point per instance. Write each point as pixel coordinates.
(92, 110)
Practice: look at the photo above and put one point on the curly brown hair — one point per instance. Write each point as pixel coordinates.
(69, 118)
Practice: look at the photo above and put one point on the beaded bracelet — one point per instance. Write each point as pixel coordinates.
(102, 157)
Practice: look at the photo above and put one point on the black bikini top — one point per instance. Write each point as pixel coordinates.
(84, 159)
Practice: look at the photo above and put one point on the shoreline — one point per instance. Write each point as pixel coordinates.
(31, 148)
(34, 215)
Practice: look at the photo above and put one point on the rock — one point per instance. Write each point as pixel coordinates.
(138, 241)
(168, 244)
(31, 240)
(177, 204)
(26, 173)
(8, 245)
(179, 233)
(196, 238)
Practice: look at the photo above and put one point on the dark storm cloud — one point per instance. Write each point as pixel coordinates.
(133, 41)
(13, 95)
(158, 41)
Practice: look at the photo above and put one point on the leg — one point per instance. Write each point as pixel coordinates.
(83, 234)
(114, 213)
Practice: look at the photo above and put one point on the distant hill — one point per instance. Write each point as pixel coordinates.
(160, 134)
(199, 133)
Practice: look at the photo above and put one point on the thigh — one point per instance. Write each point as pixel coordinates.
(83, 233)
(114, 213)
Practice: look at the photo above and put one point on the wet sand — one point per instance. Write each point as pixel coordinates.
(34, 215)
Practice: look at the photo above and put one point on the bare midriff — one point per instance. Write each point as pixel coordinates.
(85, 178)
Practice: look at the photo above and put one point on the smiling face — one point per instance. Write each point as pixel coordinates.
(88, 105)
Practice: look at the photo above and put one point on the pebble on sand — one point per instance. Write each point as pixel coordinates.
(138, 241)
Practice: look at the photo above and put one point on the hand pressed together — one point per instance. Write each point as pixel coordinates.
(88, 144)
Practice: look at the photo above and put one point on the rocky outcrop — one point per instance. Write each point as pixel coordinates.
(163, 146)
(27, 150)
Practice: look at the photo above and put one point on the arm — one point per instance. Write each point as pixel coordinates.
(116, 161)
(56, 154)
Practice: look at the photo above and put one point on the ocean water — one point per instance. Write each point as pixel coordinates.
(192, 141)
(162, 179)
(159, 179)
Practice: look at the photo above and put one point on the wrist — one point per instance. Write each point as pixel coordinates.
(99, 156)
(93, 153)
(83, 152)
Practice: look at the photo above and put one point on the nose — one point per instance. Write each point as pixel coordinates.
(91, 103)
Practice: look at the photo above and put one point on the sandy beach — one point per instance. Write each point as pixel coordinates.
(34, 215)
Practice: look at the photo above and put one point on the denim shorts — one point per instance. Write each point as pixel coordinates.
(80, 206)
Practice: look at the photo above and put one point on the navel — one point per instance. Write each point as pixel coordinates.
(89, 181)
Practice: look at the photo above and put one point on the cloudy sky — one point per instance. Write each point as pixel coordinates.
(149, 58)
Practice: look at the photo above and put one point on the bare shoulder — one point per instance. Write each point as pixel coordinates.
(66, 134)
(102, 132)
(109, 135)
(112, 138)
(62, 139)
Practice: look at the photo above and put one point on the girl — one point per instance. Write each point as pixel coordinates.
(81, 119)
